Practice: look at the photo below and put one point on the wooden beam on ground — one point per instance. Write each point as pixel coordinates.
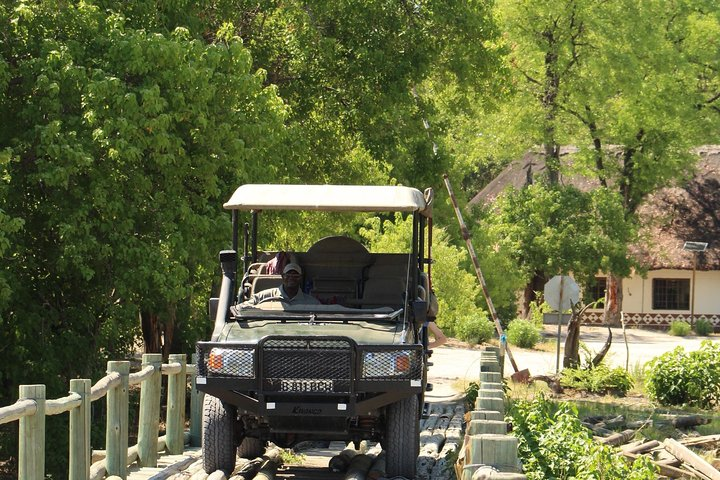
(665, 470)
(618, 438)
(693, 459)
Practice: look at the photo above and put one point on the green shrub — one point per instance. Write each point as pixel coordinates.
(471, 393)
(537, 311)
(553, 443)
(679, 328)
(680, 378)
(522, 333)
(475, 329)
(703, 327)
(599, 379)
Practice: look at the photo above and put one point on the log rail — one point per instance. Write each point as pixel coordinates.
(32, 407)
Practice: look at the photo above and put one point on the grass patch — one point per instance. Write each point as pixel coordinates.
(291, 457)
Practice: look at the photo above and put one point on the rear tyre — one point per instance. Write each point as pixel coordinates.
(218, 442)
(251, 448)
(402, 437)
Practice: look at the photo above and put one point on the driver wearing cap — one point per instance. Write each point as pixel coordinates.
(289, 292)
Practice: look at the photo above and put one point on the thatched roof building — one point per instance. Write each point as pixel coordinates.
(670, 217)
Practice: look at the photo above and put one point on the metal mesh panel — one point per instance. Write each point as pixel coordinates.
(391, 365)
(307, 365)
(223, 360)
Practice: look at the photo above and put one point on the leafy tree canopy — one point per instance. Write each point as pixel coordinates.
(123, 144)
(560, 230)
(457, 290)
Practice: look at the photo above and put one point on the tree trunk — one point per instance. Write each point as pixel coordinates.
(571, 359)
(169, 331)
(536, 284)
(613, 301)
(150, 324)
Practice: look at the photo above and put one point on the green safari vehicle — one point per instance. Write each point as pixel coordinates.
(351, 365)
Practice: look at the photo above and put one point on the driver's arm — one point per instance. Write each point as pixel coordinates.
(260, 297)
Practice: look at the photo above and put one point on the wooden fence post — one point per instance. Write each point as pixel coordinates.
(149, 422)
(80, 449)
(177, 386)
(196, 402)
(32, 436)
(116, 431)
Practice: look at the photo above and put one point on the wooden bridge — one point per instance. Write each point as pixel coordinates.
(32, 407)
(176, 455)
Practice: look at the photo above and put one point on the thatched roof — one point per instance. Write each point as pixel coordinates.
(675, 215)
(670, 217)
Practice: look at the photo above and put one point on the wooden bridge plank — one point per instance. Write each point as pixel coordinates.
(167, 465)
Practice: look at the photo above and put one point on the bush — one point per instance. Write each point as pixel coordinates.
(599, 379)
(553, 443)
(680, 378)
(703, 327)
(538, 310)
(679, 328)
(475, 329)
(471, 393)
(523, 333)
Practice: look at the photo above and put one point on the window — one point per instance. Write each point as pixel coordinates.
(671, 294)
(598, 290)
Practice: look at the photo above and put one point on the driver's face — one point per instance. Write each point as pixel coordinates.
(291, 279)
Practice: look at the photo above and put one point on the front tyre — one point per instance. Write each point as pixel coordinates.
(218, 442)
(251, 448)
(402, 437)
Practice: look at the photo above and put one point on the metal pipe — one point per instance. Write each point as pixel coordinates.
(253, 234)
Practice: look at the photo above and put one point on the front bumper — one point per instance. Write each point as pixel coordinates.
(310, 375)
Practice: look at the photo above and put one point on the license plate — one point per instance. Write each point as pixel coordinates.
(306, 385)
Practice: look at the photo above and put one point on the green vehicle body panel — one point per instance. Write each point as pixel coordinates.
(363, 332)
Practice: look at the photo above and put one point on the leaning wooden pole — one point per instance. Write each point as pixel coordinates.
(466, 236)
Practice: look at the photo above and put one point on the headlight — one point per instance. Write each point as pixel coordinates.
(228, 362)
(386, 364)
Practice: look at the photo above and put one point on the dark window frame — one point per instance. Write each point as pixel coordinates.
(671, 294)
(597, 291)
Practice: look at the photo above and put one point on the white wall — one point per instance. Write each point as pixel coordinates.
(637, 292)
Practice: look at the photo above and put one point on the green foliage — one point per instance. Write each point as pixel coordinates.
(523, 333)
(682, 378)
(575, 81)
(561, 229)
(537, 311)
(553, 443)
(703, 327)
(679, 328)
(474, 330)
(123, 146)
(471, 393)
(457, 290)
(291, 457)
(600, 379)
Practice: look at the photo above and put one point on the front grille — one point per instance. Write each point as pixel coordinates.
(307, 365)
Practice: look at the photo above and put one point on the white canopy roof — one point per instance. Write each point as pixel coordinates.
(335, 198)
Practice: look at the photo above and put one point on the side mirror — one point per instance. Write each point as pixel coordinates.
(212, 308)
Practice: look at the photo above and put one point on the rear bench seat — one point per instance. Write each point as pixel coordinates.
(340, 270)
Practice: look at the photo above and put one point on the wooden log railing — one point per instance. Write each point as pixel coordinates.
(32, 407)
